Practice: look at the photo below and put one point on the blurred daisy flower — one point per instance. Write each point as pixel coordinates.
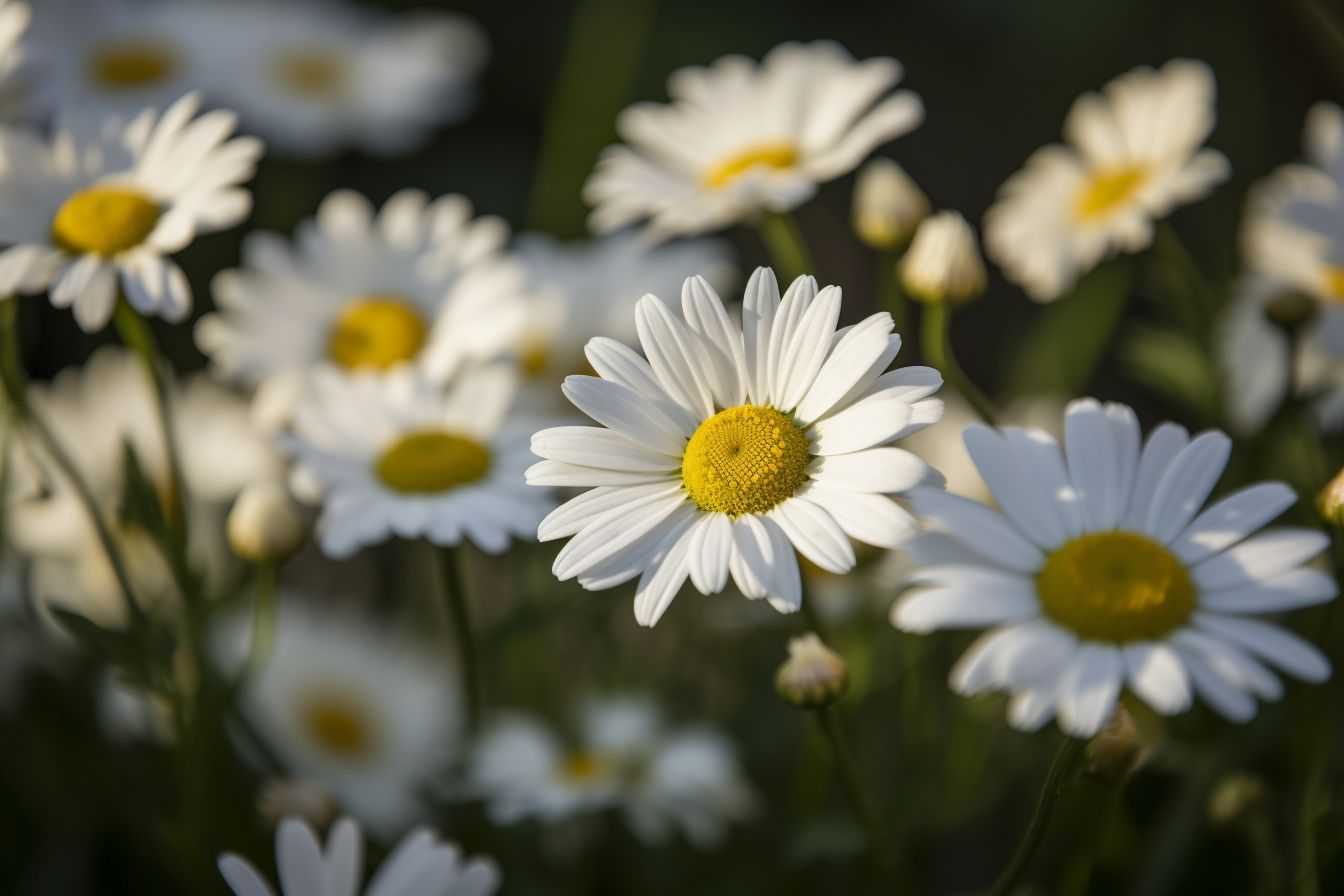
(662, 781)
(89, 217)
(351, 707)
(420, 865)
(15, 18)
(392, 455)
(731, 447)
(417, 282)
(589, 289)
(1100, 573)
(742, 137)
(1133, 155)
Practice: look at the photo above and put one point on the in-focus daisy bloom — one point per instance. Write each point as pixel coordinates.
(392, 455)
(888, 204)
(1133, 155)
(85, 217)
(420, 865)
(943, 262)
(733, 446)
(419, 282)
(742, 137)
(1101, 573)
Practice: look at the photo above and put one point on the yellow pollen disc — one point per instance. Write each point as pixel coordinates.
(1334, 282)
(131, 64)
(104, 220)
(425, 462)
(1107, 189)
(534, 358)
(779, 156)
(1116, 586)
(311, 72)
(582, 767)
(338, 726)
(377, 332)
(746, 459)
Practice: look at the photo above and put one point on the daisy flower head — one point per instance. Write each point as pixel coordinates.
(416, 282)
(1100, 573)
(741, 137)
(85, 217)
(420, 865)
(15, 17)
(1133, 155)
(390, 454)
(732, 446)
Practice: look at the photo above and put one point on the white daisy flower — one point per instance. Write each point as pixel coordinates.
(589, 289)
(84, 217)
(357, 709)
(1101, 574)
(416, 282)
(314, 77)
(1133, 155)
(742, 137)
(15, 17)
(392, 455)
(730, 447)
(420, 865)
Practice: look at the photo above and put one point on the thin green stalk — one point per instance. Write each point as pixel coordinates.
(1063, 763)
(859, 796)
(455, 595)
(263, 621)
(786, 245)
(936, 343)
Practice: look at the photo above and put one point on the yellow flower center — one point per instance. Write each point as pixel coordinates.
(104, 221)
(746, 459)
(130, 64)
(534, 357)
(424, 462)
(1334, 282)
(377, 332)
(779, 156)
(339, 726)
(1107, 189)
(582, 767)
(1116, 586)
(311, 72)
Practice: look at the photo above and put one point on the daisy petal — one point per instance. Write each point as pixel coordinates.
(1089, 687)
(1230, 520)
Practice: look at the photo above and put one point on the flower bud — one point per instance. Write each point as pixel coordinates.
(814, 676)
(943, 262)
(1291, 311)
(1330, 502)
(281, 798)
(888, 204)
(265, 525)
(1237, 798)
(1117, 750)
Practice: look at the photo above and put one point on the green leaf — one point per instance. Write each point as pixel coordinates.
(1172, 365)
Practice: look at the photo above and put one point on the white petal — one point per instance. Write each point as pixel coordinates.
(592, 446)
(875, 470)
(1259, 558)
(1301, 587)
(981, 529)
(299, 858)
(578, 512)
(243, 879)
(626, 411)
(1231, 519)
(1162, 447)
(1088, 689)
(1230, 662)
(555, 473)
(1025, 501)
(806, 351)
(871, 519)
(1157, 675)
(666, 574)
(1226, 698)
(1186, 485)
(815, 534)
(759, 304)
(1094, 463)
(710, 548)
(871, 421)
(974, 598)
(849, 360)
(1275, 645)
(612, 532)
(676, 354)
(723, 342)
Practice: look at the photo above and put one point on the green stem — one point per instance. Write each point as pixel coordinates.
(893, 296)
(1063, 763)
(263, 621)
(786, 245)
(936, 343)
(859, 796)
(455, 595)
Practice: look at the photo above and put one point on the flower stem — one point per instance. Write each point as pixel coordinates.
(263, 621)
(1063, 763)
(937, 346)
(784, 240)
(455, 595)
(859, 796)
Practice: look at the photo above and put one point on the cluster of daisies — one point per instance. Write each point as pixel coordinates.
(409, 372)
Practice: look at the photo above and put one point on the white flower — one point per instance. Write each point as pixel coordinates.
(86, 216)
(943, 261)
(1133, 156)
(888, 204)
(15, 18)
(265, 525)
(741, 137)
(1102, 574)
(314, 77)
(730, 447)
(662, 780)
(417, 282)
(363, 712)
(420, 865)
(392, 455)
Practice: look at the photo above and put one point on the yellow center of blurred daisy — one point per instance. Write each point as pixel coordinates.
(746, 459)
(338, 726)
(1106, 189)
(1116, 586)
(131, 63)
(582, 767)
(779, 156)
(377, 332)
(1334, 282)
(534, 357)
(432, 462)
(312, 72)
(104, 220)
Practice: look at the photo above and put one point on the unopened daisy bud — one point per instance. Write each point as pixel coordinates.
(943, 263)
(1117, 750)
(1291, 311)
(1330, 502)
(888, 204)
(281, 798)
(265, 525)
(1236, 798)
(814, 676)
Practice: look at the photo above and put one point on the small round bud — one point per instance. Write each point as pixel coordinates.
(265, 525)
(1291, 311)
(281, 798)
(943, 262)
(1236, 798)
(888, 204)
(1330, 502)
(814, 676)
(1117, 750)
